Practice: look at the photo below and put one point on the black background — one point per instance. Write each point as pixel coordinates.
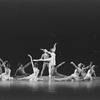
(28, 25)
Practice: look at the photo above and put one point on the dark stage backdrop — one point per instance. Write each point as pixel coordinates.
(28, 25)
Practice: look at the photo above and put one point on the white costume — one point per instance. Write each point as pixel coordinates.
(74, 76)
(89, 74)
(6, 75)
(33, 76)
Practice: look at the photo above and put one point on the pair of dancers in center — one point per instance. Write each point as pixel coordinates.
(80, 73)
(49, 60)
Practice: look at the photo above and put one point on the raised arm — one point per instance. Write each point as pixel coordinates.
(27, 65)
(46, 51)
(88, 66)
(31, 61)
(74, 65)
(3, 64)
(1, 60)
(54, 47)
(42, 57)
(60, 64)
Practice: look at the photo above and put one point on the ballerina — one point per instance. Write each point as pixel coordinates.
(6, 75)
(34, 75)
(89, 74)
(83, 70)
(74, 76)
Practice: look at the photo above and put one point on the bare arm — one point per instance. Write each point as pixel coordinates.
(60, 64)
(74, 65)
(45, 50)
(27, 65)
(31, 61)
(1, 60)
(3, 64)
(55, 46)
(16, 71)
(43, 55)
(48, 59)
(88, 66)
(94, 74)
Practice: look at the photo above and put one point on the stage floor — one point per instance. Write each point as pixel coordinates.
(49, 90)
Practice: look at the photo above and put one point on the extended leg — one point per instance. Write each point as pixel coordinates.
(44, 66)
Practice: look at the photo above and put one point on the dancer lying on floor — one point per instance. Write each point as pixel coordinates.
(6, 75)
(89, 74)
(75, 75)
(21, 70)
(34, 75)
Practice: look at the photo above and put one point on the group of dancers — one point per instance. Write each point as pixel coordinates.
(81, 72)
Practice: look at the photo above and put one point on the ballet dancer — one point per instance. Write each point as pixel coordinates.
(75, 75)
(34, 75)
(89, 74)
(45, 55)
(6, 75)
(21, 69)
(83, 70)
(55, 72)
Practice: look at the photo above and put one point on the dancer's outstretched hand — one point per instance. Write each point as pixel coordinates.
(71, 63)
(29, 55)
(38, 60)
(45, 50)
(55, 44)
(35, 60)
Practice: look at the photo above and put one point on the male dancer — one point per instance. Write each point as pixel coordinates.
(45, 55)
